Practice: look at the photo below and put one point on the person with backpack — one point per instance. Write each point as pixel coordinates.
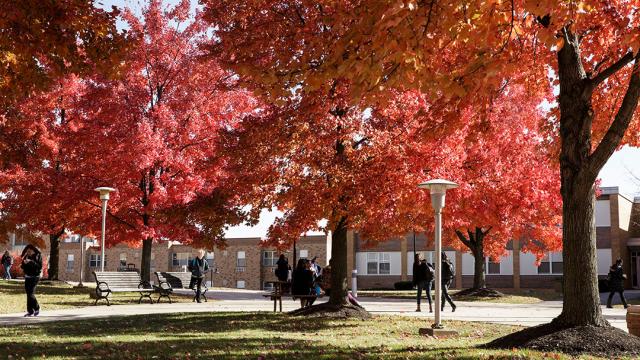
(616, 283)
(422, 279)
(7, 261)
(448, 274)
(32, 267)
(282, 268)
(198, 267)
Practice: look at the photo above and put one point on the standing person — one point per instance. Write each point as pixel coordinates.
(317, 270)
(282, 268)
(32, 267)
(7, 261)
(448, 274)
(616, 283)
(302, 282)
(198, 267)
(422, 279)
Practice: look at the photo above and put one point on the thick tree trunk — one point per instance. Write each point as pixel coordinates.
(579, 166)
(54, 255)
(145, 261)
(338, 296)
(479, 271)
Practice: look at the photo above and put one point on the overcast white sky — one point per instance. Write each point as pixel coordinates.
(622, 170)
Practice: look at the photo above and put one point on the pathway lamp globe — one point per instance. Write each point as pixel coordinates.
(438, 189)
(104, 197)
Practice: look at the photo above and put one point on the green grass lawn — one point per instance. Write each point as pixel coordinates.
(524, 296)
(253, 336)
(58, 295)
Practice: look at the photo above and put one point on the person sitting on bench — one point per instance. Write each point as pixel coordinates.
(302, 282)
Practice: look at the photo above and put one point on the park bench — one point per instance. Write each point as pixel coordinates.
(169, 282)
(277, 294)
(109, 282)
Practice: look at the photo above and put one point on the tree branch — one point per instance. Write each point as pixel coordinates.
(463, 239)
(612, 69)
(614, 135)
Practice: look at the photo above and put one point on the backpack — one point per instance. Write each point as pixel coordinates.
(430, 273)
(448, 270)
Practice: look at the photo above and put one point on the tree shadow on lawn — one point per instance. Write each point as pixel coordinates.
(185, 324)
(18, 288)
(197, 347)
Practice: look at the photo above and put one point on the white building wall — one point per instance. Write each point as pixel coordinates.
(624, 212)
(528, 264)
(603, 213)
(395, 263)
(506, 264)
(604, 261)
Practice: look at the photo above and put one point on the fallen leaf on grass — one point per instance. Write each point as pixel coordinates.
(87, 346)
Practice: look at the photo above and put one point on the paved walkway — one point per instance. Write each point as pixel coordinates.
(246, 300)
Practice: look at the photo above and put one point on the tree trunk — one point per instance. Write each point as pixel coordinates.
(54, 255)
(145, 262)
(579, 168)
(475, 243)
(338, 296)
(479, 271)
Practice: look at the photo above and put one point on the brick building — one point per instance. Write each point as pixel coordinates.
(242, 264)
(245, 264)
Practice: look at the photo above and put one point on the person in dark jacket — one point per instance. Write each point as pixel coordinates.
(616, 283)
(282, 268)
(32, 267)
(448, 274)
(422, 279)
(302, 282)
(198, 267)
(7, 261)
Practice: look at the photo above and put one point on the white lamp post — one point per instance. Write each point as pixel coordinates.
(104, 196)
(437, 189)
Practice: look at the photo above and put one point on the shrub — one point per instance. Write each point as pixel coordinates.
(403, 285)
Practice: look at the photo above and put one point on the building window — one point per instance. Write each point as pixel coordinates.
(269, 258)
(240, 284)
(304, 254)
(180, 259)
(378, 263)
(123, 260)
(70, 262)
(94, 260)
(241, 260)
(72, 239)
(493, 268)
(551, 264)
(267, 285)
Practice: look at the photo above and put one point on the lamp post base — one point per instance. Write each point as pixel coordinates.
(438, 332)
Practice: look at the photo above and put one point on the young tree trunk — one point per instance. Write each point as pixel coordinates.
(579, 166)
(338, 296)
(475, 243)
(54, 255)
(145, 261)
(479, 271)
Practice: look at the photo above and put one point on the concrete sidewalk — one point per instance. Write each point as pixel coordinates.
(233, 300)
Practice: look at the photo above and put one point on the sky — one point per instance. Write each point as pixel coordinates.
(622, 169)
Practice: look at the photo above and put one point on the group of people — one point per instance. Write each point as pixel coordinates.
(424, 277)
(308, 278)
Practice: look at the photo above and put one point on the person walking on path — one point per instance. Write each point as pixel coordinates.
(616, 283)
(422, 279)
(32, 267)
(198, 267)
(448, 274)
(7, 261)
